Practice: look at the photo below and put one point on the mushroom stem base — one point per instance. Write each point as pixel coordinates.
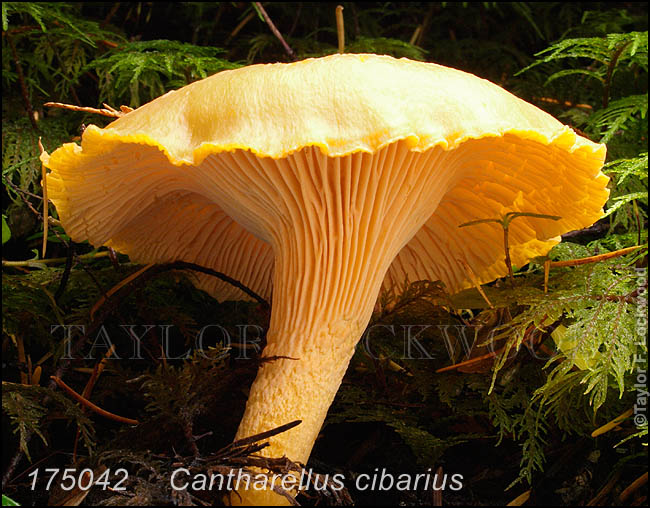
(298, 382)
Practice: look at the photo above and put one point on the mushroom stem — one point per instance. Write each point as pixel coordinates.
(335, 225)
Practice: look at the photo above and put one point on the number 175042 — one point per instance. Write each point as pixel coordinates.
(70, 478)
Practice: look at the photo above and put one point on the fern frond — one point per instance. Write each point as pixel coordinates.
(600, 49)
(623, 169)
(617, 115)
(144, 70)
(630, 179)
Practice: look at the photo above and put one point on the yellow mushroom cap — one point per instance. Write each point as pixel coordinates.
(341, 103)
(121, 187)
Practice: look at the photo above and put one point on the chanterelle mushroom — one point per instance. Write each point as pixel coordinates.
(338, 163)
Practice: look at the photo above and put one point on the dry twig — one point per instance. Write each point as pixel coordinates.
(106, 111)
(85, 402)
(276, 32)
(340, 28)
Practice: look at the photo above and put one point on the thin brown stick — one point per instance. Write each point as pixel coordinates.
(471, 361)
(475, 281)
(90, 405)
(436, 494)
(151, 270)
(414, 38)
(65, 276)
(612, 424)
(52, 261)
(633, 487)
(110, 14)
(111, 112)
(279, 490)
(22, 360)
(183, 265)
(116, 288)
(520, 499)
(595, 259)
(265, 435)
(239, 27)
(637, 217)
(15, 459)
(23, 29)
(123, 109)
(295, 20)
(46, 213)
(275, 31)
(22, 193)
(598, 499)
(547, 267)
(99, 368)
(506, 245)
(36, 376)
(426, 23)
(340, 28)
